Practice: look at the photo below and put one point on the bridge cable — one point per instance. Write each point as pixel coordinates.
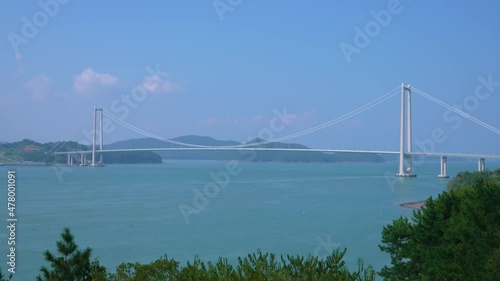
(59, 144)
(457, 111)
(295, 135)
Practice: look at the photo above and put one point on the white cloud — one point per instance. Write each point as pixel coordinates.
(156, 84)
(40, 86)
(89, 80)
(19, 56)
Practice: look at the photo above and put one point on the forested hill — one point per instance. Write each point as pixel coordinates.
(258, 156)
(29, 152)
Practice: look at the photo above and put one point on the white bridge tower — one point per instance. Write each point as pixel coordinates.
(405, 149)
(94, 133)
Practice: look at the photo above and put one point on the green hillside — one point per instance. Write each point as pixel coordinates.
(29, 152)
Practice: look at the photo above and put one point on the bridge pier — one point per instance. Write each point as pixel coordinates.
(481, 164)
(444, 168)
(70, 160)
(83, 159)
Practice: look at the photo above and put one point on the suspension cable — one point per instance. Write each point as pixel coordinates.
(59, 144)
(294, 135)
(457, 111)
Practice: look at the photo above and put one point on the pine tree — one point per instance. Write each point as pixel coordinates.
(72, 264)
(454, 237)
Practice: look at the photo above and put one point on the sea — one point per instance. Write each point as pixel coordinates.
(211, 209)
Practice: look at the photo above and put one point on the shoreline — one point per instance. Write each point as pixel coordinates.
(25, 164)
(417, 205)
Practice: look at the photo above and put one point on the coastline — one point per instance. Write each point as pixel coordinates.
(417, 205)
(25, 164)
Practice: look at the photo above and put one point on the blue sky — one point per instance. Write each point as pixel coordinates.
(229, 69)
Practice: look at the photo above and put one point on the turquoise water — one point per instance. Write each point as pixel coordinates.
(129, 213)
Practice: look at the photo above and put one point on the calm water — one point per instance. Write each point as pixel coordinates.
(130, 213)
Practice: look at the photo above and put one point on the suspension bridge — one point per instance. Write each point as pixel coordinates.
(405, 152)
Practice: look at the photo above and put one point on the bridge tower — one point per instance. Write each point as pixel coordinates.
(101, 161)
(405, 149)
(94, 133)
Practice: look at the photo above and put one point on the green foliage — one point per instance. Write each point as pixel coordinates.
(2, 278)
(254, 267)
(97, 271)
(72, 264)
(454, 237)
(161, 269)
(464, 179)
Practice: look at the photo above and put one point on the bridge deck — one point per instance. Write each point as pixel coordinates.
(430, 154)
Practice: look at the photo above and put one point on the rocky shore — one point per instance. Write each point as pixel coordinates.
(413, 205)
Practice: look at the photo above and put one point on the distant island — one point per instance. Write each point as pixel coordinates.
(29, 152)
(258, 156)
